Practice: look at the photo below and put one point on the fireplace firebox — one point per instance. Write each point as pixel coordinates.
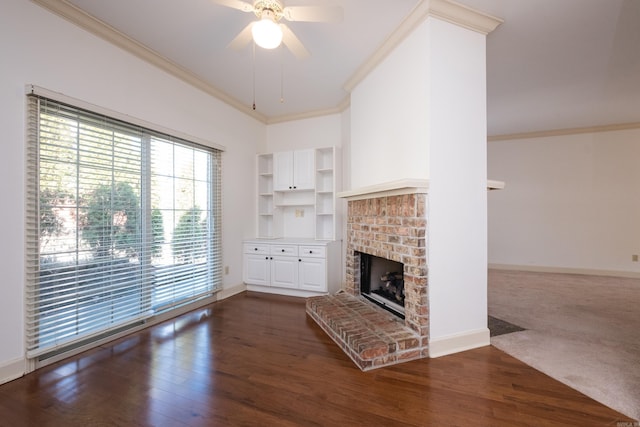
(382, 282)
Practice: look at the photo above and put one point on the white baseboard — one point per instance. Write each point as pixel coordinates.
(566, 270)
(231, 291)
(459, 342)
(12, 370)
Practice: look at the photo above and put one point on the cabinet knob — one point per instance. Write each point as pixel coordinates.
(283, 250)
(266, 257)
(299, 260)
(289, 187)
(294, 187)
(255, 249)
(310, 252)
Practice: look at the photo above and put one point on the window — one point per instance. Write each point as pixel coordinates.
(123, 223)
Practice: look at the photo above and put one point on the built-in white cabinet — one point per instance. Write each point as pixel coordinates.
(296, 252)
(257, 268)
(298, 267)
(312, 268)
(296, 194)
(284, 266)
(294, 170)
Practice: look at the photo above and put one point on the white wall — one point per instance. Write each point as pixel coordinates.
(315, 132)
(457, 211)
(40, 48)
(389, 117)
(570, 203)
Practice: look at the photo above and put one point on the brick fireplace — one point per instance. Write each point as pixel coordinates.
(390, 226)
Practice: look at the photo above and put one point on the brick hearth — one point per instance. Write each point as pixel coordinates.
(392, 227)
(371, 336)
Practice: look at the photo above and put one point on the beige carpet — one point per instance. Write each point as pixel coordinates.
(581, 330)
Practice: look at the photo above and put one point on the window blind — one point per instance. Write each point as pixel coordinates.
(123, 223)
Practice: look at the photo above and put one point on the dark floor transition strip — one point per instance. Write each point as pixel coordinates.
(500, 327)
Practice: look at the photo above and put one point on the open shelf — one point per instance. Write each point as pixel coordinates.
(265, 164)
(324, 159)
(290, 213)
(324, 227)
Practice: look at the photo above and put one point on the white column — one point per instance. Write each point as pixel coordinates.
(420, 102)
(457, 203)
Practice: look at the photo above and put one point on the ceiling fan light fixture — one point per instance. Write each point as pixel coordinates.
(266, 32)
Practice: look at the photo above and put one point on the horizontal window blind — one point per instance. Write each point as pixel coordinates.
(122, 223)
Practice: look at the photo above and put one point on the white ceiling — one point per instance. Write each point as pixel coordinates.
(552, 64)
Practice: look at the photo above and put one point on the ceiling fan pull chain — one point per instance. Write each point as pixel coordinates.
(253, 69)
(281, 74)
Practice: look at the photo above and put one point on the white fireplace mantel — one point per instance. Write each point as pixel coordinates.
(400, 187)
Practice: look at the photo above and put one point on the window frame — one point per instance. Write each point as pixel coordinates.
(40, 358)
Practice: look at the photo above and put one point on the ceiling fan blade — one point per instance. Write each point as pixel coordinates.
(313, 13)
(235, 4)
(293, 43)
(243, 38)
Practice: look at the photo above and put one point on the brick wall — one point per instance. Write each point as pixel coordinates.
(393, 227)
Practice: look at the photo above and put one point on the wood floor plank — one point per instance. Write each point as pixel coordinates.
(255, 360)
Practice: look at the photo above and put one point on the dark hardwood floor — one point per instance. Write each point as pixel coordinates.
(257, 360)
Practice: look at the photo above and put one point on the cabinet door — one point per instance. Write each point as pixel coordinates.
(283, 171)
(312, 274)
(257, 269)
(304, 172)
(284, 272)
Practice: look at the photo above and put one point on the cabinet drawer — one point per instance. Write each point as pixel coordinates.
(284, 250)
(257, 248)
(313, 251)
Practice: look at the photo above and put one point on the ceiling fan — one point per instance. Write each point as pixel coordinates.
(268, 32)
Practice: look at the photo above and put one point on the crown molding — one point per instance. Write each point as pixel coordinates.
(445, 10)
(464, 16)
(564, 132)
(344, 104)
(99, 28)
